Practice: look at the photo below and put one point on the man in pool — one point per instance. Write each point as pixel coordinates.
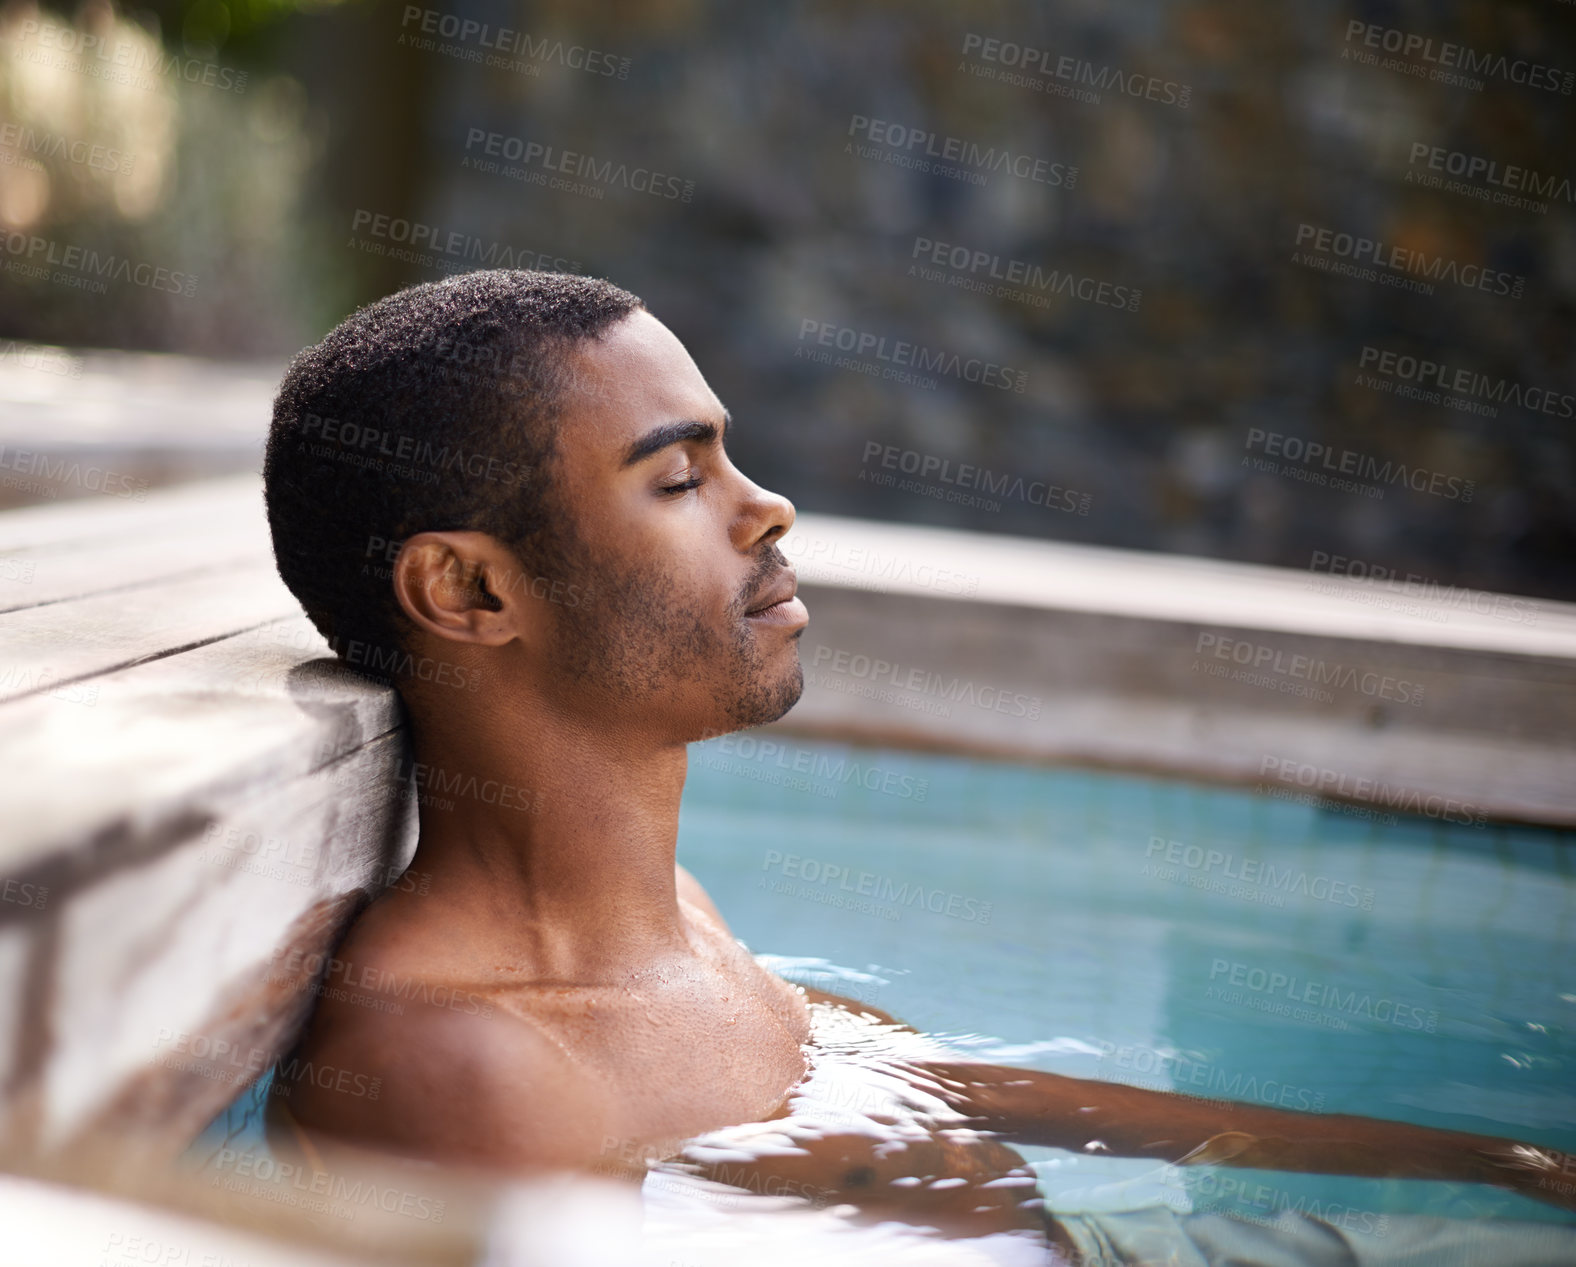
(509, 493)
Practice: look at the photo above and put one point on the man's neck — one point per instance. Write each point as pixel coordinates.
(558, 841)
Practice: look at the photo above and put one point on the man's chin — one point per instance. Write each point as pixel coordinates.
(766, 702)
(792, 692)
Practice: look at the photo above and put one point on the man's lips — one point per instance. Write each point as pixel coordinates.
(791, 612)
(779, 591)
(778, 605)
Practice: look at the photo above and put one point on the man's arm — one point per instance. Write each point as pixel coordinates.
(960, 1181)
(1028, 1106)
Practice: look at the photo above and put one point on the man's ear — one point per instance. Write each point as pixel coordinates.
(457, 585)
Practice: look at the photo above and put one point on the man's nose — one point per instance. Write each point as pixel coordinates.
(767, 517)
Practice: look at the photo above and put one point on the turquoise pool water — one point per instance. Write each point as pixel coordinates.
(1171, 935)
(1156, 932)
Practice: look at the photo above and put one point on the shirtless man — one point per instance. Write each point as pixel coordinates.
(589, 553)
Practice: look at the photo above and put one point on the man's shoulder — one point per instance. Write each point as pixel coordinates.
(782, 996)
(422, 1063)
(434, 1080)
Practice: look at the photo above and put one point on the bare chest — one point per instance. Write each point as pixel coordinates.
(681, 1053)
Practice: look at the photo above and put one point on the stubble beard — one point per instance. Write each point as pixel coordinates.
(636, 638)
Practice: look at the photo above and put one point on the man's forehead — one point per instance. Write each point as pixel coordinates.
(636, 373)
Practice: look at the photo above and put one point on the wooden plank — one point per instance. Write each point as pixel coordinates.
(38, 575)
(189, 943)
(52, 649)
(140, 400)
(188, 506)
(1085, 688)
(137, 817)
(944, 563)
(107, 424)
(162, 741)
(125, 791)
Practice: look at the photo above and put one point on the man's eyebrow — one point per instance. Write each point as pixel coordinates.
(659, 438)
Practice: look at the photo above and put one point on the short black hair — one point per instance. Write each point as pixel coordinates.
(433, 409)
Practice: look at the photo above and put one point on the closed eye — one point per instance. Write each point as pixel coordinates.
(695, 481)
